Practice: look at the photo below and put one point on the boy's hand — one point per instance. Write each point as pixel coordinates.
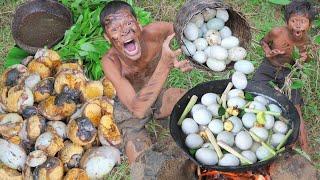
(184, 65)
(168, 57)
(274, 53)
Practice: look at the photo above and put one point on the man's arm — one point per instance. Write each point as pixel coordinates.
(139, 103)
(265, 43)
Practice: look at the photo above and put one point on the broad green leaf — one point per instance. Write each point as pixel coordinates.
(280, 2)
(297, 84)
(15, 56)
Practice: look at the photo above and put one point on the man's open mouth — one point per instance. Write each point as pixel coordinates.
(131, 47)
(298, 33)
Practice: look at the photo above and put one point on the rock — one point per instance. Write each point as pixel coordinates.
(293, 167)
(164, 160)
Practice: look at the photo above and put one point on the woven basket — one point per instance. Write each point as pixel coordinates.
(237, 23)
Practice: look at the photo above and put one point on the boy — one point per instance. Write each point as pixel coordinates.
(278, 46)
(137, 65)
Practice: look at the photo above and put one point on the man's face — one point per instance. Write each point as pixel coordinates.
(298, 25)
(124, 33)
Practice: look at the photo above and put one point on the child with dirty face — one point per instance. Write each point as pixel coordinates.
(138, 65)
(278, 46)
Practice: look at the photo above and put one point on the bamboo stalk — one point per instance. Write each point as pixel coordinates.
(234, 152)
(259, 140)
(224, 95)
(213, 141)
(256, 111)
(191, 103)
(285, 139)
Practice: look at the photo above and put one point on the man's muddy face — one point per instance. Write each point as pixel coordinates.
(298, 25)
(124, 32)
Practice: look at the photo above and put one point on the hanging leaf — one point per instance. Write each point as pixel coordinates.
(280, 2)
(15, 56)
(297, 84)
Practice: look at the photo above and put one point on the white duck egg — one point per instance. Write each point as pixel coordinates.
(251, 156)
(213, 37)
(244, 66)
(214, 109)
(269, 121)
(206, 156)
(227, 61)
(235, 93)
(198, 20)
(204, 29)
(276, 139)
(216, 126)
(275, 108)
(225, 32)
(188, 48)
(280, 127)
(194, 141)
(210, 98)
(200, 57)
(197, 107)
(215, 24)
(237, 124)
(230, 42)
(239, 80)
(201, 44)
(209, 14)
(229, 160)
(202, 116)
(262, 153)
(260, 132)
(191, 32)
(243, 140)
(237, 102)
(248, 120)
(216, 52)
(222, 14)
(216, 65)
(226, 137)
(189, 126)
(237, 53)
(261, 100)
(257, 105)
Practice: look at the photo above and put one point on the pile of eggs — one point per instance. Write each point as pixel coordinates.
(233, 128)
(55, 123)
(208, 41)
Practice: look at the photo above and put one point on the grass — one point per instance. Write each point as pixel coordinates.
(262, 17)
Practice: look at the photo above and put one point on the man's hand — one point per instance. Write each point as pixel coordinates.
(170, 57)
(274, 53)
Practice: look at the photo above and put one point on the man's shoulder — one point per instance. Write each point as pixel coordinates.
(110, 56)
(278, 30)
(155, 29)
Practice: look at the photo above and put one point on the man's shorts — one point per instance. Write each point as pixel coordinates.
(268, 72)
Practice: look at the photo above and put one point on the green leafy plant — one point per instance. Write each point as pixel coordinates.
(280, 2)
(15, 56)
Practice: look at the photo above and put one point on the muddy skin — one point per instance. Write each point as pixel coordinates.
(29, 111)
(140, 60)
(86, 130)
(279, 43)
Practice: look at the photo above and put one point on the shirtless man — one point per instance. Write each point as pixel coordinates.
(278, 46)
(138, 65)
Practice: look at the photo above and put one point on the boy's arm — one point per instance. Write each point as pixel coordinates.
(139, 103)
(265, 43)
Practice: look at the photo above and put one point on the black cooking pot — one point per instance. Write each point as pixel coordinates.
(40, 23)
(289, 112)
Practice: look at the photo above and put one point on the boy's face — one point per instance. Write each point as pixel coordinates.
(298, 25)
(124, 32)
